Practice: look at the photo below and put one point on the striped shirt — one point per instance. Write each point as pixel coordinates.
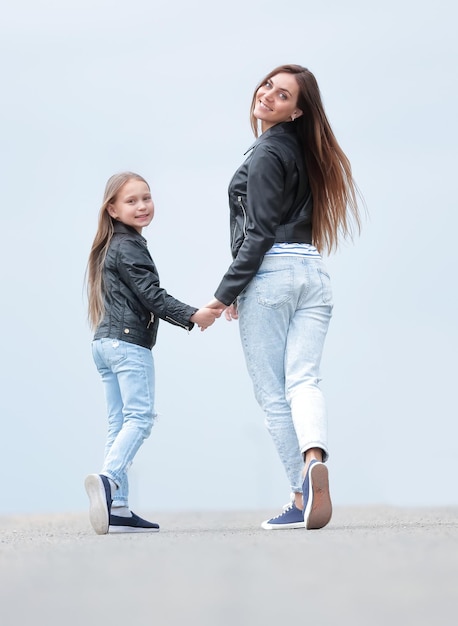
(293, 249)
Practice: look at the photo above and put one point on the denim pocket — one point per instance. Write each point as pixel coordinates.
(274, 287)
(110, 351)
(326, 291)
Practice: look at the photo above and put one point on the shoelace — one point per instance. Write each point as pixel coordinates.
(286, 508)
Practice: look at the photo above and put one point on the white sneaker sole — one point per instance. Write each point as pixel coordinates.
(98, 512)
(268, 526)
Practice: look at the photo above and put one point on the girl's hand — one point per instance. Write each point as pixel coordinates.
(205, 317)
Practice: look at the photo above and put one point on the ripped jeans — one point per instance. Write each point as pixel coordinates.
(127, 372)
(284, 314)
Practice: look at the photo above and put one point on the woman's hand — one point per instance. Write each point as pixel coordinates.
(230, 312)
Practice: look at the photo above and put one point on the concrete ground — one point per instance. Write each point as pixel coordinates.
(369, 566)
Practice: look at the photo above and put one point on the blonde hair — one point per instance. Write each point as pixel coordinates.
(102, 239)
(334, 191)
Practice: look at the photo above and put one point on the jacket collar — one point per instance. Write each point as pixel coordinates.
(120, 227)
(278, 129)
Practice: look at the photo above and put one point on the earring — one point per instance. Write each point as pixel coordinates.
(293, 116)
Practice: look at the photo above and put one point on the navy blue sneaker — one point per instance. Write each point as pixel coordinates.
(292, 517)
(99, 493)
(132, 524)
(315, 493)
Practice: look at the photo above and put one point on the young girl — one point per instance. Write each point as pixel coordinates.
(289, 200)
(125, 303)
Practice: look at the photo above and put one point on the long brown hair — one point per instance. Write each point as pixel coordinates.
(94, 270)
(334, 192)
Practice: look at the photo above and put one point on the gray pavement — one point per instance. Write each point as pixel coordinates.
(369, 566)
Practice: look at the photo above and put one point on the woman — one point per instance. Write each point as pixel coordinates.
(289, 200)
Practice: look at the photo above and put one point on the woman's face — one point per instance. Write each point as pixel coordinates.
(276, 100)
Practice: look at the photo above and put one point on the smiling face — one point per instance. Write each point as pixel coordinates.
(133, 205)
(276, 100)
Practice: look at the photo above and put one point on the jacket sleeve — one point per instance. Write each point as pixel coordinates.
(138, 271)
(265, 193)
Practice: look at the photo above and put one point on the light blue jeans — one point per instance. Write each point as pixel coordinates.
(127, 372)
(284, 314)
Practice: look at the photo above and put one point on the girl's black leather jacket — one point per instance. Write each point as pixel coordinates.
(270, 202)
(134, 300)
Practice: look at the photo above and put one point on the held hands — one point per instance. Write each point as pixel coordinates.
(230, 312)
(206, 316)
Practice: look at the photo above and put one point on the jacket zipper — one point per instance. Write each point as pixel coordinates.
(167, 317)
(240, 201)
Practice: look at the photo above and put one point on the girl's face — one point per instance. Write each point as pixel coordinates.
(133, 205)
(276, 100)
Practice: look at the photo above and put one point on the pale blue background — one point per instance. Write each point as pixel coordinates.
(90, 88)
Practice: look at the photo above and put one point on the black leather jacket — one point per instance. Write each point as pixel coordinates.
(270, 202)
(134, 300)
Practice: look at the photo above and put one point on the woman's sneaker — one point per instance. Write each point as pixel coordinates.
(292, 517)
(133, 524)
(315, 493)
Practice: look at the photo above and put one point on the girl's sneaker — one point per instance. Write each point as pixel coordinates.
(133, 524)
(99, 493)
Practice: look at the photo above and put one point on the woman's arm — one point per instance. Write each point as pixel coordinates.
(264, 203)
